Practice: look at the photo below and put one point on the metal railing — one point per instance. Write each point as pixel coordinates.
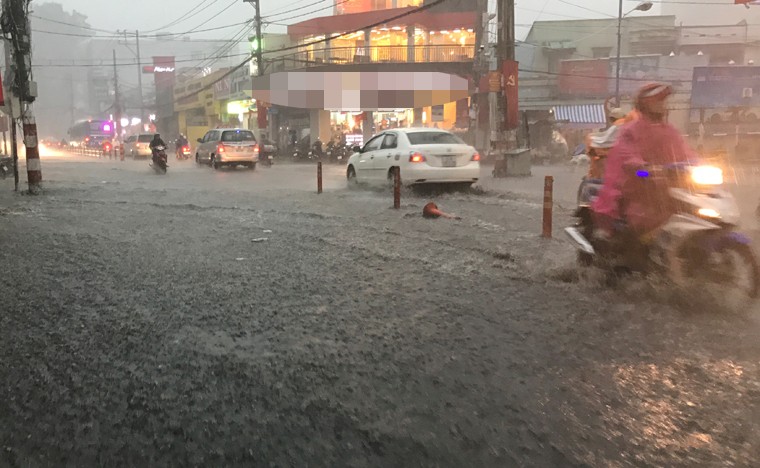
(375, 54)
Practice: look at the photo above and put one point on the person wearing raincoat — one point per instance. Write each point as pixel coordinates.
(599, 144)
(641, 205)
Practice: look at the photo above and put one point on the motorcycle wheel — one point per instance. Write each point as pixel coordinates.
(741, 257)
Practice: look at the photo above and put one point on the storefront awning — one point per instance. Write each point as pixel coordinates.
(580, 115)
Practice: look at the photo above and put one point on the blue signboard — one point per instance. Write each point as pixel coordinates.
(721, 87)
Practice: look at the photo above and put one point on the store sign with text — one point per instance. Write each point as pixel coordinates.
(510, 71)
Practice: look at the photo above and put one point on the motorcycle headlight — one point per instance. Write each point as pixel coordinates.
(707, 175)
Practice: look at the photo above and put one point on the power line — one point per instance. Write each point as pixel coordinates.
(309, 12)
(184, 17)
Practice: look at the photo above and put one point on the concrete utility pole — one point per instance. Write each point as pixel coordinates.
(139, 82)
(505, 50)
(116, 99)
(11, 118)
(17, 27)
(480, 65)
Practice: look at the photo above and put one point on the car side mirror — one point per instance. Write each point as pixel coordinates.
(356, 149)
(200, 140)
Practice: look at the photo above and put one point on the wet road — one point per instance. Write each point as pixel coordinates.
(236, 318)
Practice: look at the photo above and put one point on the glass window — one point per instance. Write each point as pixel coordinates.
(373, 144)
(238, 135)
(433, 138)
(390, 141)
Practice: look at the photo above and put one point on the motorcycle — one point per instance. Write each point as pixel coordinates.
(106, 149)
(6, 166)
(699, 242)
(183, 153)
(267, 154)
(160, 160)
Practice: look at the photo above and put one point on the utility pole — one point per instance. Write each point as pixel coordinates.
(117, 99)
(479, 64)
(139, 82)
(259, 45)
(11, 119)
(15, 24)
(505, 50)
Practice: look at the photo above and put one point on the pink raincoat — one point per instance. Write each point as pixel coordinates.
(642, 203)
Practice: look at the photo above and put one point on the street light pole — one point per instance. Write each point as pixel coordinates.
(617, 62)
(643, 6)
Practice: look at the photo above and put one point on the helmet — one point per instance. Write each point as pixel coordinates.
(652, 92)
(617, 113)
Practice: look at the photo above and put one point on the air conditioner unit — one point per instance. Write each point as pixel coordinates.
(747, 93)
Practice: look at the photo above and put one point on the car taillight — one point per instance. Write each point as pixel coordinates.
(255, 148)
(416, 158)
(220, 149)
(476, 157)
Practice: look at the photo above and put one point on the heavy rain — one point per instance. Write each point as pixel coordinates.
(380, 233)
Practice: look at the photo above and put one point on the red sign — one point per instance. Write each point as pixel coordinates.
(510, 72)
(584, 78)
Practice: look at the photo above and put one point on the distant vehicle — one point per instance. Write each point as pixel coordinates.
(138, 146)
(92, 133)
(228, 147)
(425, 156)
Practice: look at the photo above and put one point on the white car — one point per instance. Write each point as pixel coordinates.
(424, 155)
(228, 147)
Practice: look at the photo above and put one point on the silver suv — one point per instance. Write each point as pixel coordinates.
(228, 147)
(138, 146)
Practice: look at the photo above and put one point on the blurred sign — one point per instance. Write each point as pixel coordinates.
(584, 78)
(494, 82)
(149, 69)
(732, 86)
(510, 72)
(2, 93)
(634, 73)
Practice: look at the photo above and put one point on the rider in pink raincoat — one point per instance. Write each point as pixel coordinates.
(650, 140)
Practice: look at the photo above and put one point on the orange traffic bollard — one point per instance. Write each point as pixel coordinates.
(548, 206)
(397, 188)
(319, 177)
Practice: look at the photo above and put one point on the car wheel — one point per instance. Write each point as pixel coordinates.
(351, 177)
(252, 166)
(197, 159)
(214, 163)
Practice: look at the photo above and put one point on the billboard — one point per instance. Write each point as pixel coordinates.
(584, 78)
(634, 73)
(730, 86)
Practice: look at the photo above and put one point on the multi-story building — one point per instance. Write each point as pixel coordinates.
(373, 64)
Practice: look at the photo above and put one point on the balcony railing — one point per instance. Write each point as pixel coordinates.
(375, 54)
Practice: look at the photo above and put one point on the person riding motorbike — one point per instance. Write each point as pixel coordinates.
(155, 143)
(625, 199)
(598, 144)
(180, 143)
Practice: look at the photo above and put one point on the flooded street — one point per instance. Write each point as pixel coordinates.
(237, 318)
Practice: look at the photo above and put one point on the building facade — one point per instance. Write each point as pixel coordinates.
(411, 70)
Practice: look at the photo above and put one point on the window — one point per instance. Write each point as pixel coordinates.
(145, 138)
(232, 136)
(433, 138)
(390, 141)
(373, 144)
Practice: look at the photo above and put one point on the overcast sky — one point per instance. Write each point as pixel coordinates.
(152, 14)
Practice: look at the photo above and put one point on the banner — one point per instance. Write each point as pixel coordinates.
(725, 86)
(510, 72)
(584, 78)
(2, 92)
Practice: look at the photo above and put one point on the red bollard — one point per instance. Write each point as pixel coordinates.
(397, 187)
(319, 177)
(121, 151)
(548, 206)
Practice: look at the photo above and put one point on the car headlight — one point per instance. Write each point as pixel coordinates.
(707, 175)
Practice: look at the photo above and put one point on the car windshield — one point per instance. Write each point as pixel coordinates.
(237, 135)
(433, 138)
(145, 138)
